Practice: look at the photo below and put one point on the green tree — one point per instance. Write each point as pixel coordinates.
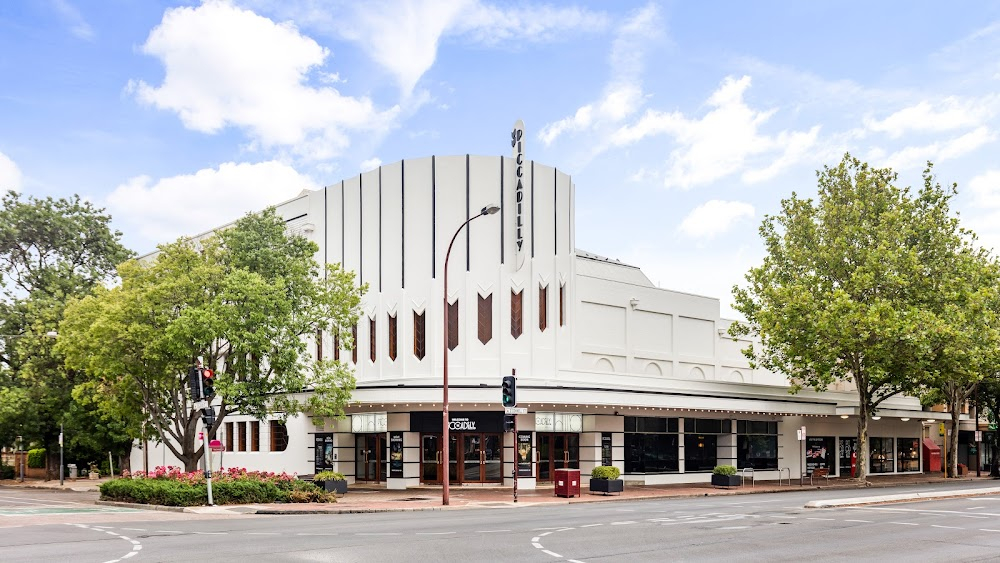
(248, 300)
(845, 290)
(50, 250)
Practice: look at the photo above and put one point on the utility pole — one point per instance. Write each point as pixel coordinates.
(61, 464)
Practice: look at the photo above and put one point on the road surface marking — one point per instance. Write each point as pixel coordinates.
(924, 512)
(733, 527)
(862, 521)
(591, 525)
(135, 529)
(534, 539)
(553, 554)
(377, 534)
(168, 532)
(136, 546)
(490, 531)
(543, 535)
(988, 530)
(310, 534)
(623, 523)
(975, 507)
(903, 523)
(811, 518)
(947, 527)
(538, 545)
(261, 533)
(210, 533)
(434, 533)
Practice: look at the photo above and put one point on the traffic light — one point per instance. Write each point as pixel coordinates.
(509, 386)
(208, 383)
(508, 422)
(208, 417)
(194, 383)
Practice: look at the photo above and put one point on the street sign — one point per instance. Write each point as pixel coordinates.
(215, 445)
(979, 435)
(515, 410)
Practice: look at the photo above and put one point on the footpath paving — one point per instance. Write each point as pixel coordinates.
(369, 498)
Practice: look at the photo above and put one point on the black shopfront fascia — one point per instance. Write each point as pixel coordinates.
(469, 421)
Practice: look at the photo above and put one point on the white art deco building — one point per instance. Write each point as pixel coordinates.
(612, 369)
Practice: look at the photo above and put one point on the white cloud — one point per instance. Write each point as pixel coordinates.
(402, 36)
(714, 218)
(371, 164)
(168, 208)
(623, 94)
(226, 66)
(72, 17)
(10, 174)
(911, 157)
(985, 189)
(722, 142)
(948, 114)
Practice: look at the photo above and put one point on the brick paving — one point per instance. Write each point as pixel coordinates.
(374, 498)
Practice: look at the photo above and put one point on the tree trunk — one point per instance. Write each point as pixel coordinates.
(955, 408)
(862, 472)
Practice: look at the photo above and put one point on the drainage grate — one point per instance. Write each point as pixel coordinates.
(408, 499)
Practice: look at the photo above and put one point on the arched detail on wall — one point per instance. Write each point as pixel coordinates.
(697, 373)
(604, 364)
(736, 376)
(653, 368)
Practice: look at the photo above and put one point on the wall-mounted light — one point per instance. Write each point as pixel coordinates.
(930, 421)
(905, 419)
(634, 302)
(843, 416)
(876, 418)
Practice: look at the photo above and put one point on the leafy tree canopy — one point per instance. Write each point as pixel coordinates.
(247, 299)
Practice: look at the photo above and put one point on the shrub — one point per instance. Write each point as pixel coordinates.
(605, 472)
(724, 470)
(311, 496)
(6, 472)
(324, 476)
(170, 486)
(36, 458)
(154, 491)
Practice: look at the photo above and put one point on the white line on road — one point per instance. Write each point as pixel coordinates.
(135, 529)
(988, 530)
(309, 534)
(810, 518)
(434, 533)
(210, 533)
(261, 533)
(537, 545)
(733, 527)
(168, 532)
(591, 525)
(543, 535)
(921, 512)
(377, 534)
(903, 523)
(534, 539)
(947, 527)
(861, 521)
(623, 523)
(490, 531)
(975, 507)
(553, 554)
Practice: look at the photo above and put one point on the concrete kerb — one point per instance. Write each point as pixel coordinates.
(887, 499)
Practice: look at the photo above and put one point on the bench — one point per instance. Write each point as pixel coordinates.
(816, 473)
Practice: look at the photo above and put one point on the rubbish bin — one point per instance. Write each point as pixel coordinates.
(72, 471)
(567, 482)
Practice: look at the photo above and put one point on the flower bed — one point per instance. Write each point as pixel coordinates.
(170, 486)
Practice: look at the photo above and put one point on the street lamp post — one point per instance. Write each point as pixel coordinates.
(446, 446)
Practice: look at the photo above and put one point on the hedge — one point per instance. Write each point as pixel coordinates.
(605, 472)
(173, 488)
(36, 458)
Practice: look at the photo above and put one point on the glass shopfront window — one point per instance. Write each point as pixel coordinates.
(908, 454)
(651, 445)
(881, 455)
(756, 444)
(701, 443)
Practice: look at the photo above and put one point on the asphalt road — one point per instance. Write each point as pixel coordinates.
(768, 527)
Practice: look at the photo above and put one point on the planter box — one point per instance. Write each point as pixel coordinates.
(725, 480)
(339, 487)
(607, 486)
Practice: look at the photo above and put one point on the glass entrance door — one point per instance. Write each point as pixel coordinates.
(430, 458)
(482, 458)
(369, 458)
(557, 451)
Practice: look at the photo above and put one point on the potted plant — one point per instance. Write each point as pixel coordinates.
(604, 479)
(725, 476)
(331, 481)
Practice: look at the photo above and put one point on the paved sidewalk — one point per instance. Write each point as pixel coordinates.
(369, 498)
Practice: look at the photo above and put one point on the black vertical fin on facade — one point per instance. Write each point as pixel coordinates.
(361, 229)
(501, 210)
(468, 228)
(402, 224)
(433, 218)
(343, 224)
(380, 229)
(555, 211)
(532, 208)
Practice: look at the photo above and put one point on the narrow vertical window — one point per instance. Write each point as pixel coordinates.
(562, 305)
(241, 436)
(419, 335)
(336, 346)
(254, 436)
(515, 313)
(354, 345)
(453, 325)
(279, 436)
(229, 437)
(319, 345)
(372, 340)
(392, 337)
(543, 307)
(485, 318)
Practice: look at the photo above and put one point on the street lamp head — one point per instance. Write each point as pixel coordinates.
(490, 209)
(52, 334)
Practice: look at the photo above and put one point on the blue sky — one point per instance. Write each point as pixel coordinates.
(682, 123)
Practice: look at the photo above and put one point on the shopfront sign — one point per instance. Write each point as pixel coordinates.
(558, 422)
(517, 144)
(524, 456)
(469, 421)
(395, 455)
(323, 454)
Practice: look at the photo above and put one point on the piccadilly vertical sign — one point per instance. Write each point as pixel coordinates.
(517, 144)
